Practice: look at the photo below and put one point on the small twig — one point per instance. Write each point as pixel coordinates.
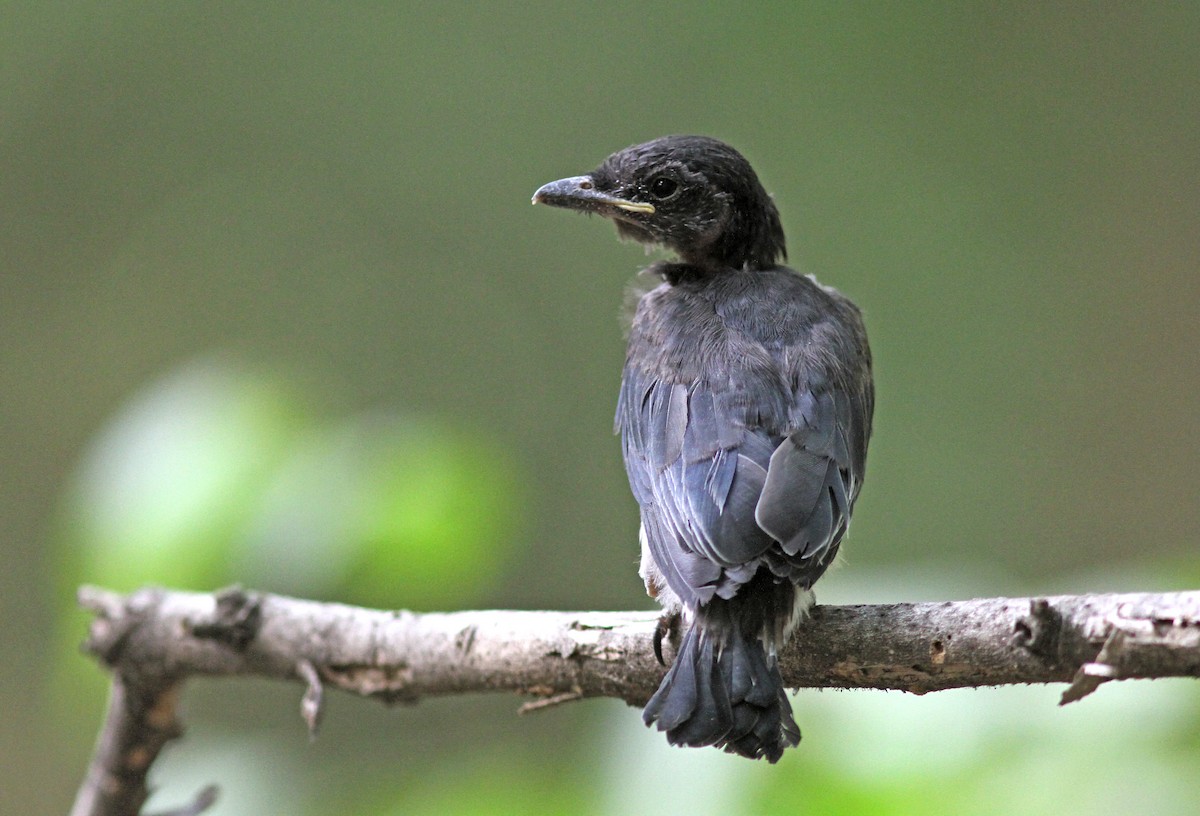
(312, 704)
(549, 702)
(205, 799)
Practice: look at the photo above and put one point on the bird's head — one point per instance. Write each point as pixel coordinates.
(694, 195)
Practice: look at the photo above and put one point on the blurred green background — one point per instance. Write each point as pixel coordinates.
(276, 310)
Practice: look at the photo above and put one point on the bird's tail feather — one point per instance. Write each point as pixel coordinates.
(729, 695)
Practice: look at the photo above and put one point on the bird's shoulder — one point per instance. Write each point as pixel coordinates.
(760, 323)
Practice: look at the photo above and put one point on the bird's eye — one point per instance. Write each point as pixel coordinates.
(663, 187)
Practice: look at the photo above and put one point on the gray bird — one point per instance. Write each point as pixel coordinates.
(744, 414)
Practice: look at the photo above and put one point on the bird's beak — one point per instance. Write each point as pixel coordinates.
(579, 193)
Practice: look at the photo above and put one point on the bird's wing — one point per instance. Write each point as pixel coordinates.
(722, 493)
(697, 471)
(814, 477)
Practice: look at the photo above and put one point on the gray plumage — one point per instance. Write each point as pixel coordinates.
(744, 414)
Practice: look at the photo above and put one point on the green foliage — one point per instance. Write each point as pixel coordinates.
(386, 510)
(173, 479)
(216, 473)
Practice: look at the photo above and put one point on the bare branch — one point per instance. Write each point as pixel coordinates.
(154, 639)
(139, 723)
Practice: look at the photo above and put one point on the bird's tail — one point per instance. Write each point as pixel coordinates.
(724, 690)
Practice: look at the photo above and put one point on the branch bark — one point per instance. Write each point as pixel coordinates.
(154, 639)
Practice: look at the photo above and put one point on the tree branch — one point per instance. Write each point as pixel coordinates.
(154, 639)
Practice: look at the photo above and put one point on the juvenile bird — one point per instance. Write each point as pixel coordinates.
(744, 414)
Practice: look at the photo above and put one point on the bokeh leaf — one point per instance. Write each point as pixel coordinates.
(163, 491)
(386, 510)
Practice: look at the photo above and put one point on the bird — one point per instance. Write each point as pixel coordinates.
(744, 414)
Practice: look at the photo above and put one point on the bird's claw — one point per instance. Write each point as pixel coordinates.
(666, 626)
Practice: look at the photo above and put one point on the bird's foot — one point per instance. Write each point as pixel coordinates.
(667, 626)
